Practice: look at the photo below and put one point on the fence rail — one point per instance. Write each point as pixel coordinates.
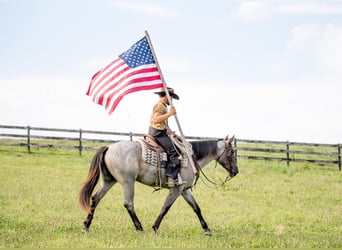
(27, 136)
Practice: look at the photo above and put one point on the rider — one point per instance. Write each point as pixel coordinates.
(160, 130)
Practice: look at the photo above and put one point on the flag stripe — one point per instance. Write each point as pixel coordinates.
(116, 81)
(108, 69)
(108, 75)
(101, 74)
(131, 90)
(91, 83)
(141, 81)
(131, 75)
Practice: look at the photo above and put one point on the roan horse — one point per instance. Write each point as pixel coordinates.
(122, 162)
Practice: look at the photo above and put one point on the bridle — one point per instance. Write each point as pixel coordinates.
(228, 150)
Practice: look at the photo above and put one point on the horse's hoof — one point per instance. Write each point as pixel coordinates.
(207, 232)
(155, 229)
(85, 230)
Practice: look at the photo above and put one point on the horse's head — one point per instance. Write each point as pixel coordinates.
(228, 159)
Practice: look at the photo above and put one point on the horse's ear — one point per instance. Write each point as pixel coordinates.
(226, 138)
(232, 139)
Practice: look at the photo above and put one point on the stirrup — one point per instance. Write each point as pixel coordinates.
(170, 182)
(180, 183)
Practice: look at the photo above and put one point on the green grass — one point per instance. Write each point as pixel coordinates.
(267, 205)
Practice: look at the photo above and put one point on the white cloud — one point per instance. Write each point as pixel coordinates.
(178, 65)
(146, 8)
(253, 10)
(309, 8)
(317, 45)
(301, 35)
(297, 111)
(330, 50)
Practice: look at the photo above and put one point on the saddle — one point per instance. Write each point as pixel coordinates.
(153, 153)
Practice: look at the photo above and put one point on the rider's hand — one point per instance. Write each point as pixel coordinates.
(172, 111)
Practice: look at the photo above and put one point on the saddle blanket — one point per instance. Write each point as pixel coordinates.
(153, 154)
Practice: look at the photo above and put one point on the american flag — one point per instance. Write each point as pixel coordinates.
(134, 70)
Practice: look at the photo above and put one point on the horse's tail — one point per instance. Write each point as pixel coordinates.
(92, 179)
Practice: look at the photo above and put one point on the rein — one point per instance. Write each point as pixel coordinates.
(197, 170)
(216, 185)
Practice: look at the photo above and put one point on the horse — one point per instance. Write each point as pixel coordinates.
(122, 162)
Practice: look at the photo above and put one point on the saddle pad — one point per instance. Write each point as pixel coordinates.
(150, 153)
(153, 155)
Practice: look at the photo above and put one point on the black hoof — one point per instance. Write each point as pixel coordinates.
(207, 232)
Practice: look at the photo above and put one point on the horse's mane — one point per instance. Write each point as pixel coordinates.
(204, 148)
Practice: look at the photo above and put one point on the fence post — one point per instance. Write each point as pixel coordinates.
(80, 143)
(339, 156)
(288, 153)
(29, 139)
(130, 136)
(235, 148)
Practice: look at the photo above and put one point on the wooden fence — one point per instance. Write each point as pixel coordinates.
(78, 139)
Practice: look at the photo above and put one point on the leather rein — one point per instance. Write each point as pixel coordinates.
(227, 149)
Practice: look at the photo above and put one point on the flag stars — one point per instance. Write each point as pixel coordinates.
(138, 55)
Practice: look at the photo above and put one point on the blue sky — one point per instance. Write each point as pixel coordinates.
(257, 69)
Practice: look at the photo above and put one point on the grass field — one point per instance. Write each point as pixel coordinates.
(267, 205)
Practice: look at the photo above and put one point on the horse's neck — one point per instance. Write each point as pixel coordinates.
(206, 160)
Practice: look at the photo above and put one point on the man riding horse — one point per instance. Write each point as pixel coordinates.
(160, 130)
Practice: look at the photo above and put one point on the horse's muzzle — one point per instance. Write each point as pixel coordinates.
(234, 172)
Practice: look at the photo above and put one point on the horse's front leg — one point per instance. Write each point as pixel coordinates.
(192, 202)
(129, 205)
(174, 193)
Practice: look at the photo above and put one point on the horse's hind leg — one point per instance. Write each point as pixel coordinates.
(129, 204)
(95, 200)
(170, 199)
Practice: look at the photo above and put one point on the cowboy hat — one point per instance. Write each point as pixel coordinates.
(162, 92)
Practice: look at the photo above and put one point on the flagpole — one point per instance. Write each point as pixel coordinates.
(164, 83)
(170, 101)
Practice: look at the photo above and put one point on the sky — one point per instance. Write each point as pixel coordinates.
(261, 69)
